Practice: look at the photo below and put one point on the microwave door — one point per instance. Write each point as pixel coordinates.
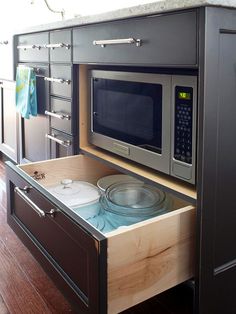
(130, 116)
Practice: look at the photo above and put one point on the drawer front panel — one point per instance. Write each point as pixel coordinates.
(60, 144)
(31, 47)
(63, 109)
(165, 40)
(73, 250)
(60, 54)
(63, 88)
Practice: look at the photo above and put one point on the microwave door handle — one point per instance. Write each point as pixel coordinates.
(103, 43)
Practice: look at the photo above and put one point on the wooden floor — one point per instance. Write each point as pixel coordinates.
(26, 289)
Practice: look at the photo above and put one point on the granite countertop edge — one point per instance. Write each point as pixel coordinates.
(135, 11)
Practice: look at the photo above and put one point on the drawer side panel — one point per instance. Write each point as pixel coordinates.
(150, 258)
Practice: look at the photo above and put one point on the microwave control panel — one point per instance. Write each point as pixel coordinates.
(183, 124)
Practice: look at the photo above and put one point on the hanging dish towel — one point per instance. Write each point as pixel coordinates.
(26, 97)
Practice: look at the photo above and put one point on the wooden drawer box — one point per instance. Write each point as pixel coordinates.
(165, 40)
(31, 48)
(116, 270)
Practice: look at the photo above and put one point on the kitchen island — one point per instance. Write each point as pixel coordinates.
(189, 38)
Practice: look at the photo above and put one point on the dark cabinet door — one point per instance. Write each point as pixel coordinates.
(32, 132)
(67, 249)
(8, 120)
(217, 171)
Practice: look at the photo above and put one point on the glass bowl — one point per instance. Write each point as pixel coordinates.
(126, 203)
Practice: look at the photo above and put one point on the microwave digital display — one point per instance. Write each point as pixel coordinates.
(184, 95)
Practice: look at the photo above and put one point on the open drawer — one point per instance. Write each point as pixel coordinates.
(99, 273)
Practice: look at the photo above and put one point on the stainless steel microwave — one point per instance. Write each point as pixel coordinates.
(147, 118)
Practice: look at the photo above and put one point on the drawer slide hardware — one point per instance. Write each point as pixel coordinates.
(22, 193)
(4, 42)
(53, 137)
(25, 47)
(105, 42)
(61, 116)
(57, 80)
(59, 45)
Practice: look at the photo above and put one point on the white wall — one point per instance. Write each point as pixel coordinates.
(18, 14)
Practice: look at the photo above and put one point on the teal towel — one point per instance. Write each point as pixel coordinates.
(26, 97)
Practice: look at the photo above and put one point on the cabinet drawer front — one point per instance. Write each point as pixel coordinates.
(62, 108)
(32, 47)
(165, 40)
(66, 145)
(71, 250)
(63, 39)
(63, 73)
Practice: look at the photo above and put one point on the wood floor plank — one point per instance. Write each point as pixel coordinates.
(15, 288)
(3, 307)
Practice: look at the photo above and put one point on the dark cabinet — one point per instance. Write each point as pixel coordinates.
(32, 132)
(217, 167)
(137, 264)
(50, 55)
(8, 120)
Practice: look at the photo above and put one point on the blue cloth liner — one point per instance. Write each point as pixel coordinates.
(26, 96)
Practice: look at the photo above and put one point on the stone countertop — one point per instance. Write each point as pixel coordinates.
(140, 10)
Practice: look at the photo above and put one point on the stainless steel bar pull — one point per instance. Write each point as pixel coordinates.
(57, 80)
(25, 47)
(105, 42)
(22, 193)
(53, 137)
(4, 42)
(61, 116)
(59, 45)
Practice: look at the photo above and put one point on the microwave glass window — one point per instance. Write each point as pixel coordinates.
(129, 112)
